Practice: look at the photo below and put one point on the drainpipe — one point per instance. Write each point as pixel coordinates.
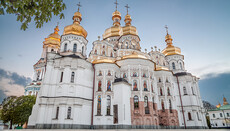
(181, 102)
(93, 97)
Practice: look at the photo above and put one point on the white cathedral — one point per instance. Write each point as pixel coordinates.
(117, 87)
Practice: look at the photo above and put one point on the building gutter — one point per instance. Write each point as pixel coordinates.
(93, 97)
(181, 101)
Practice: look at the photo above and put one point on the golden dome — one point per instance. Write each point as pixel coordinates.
(98, 61)
(113, 31)
(76, 28)
(225, 101)
(53, 38)
(170, 49)
(116, 14)
(128, 29)
(116, 29)
(161, 68)
(134, 55)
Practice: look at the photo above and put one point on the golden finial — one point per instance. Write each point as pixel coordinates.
(116, 4)
(225, 101)
(79, 5)
(127, 7)
(166, 27)
(56, 29)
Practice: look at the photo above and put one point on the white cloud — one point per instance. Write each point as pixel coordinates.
(212, 70)
(11, 89)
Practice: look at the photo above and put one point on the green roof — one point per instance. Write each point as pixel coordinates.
(224, 107)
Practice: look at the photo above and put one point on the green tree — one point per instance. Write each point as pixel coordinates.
(17, 110)
(40, 11)
(8, 110)
(24, 108)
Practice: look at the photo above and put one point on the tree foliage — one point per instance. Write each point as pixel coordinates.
(8, 109)
(17, 109)
(40, 11)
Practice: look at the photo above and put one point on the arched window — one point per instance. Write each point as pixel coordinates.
(162, 105)
(146, 105)
(75, 48)
(108, 104)
(108, 86)
(153, 104)
(168, 90)
(82, 50)
(72, 77)
(111, 54)
(109, 73)
(198, 117)
(135, 86)
(99, 85)
(161, 92)
(192, 91)
(100, 73)
(159, 79)
(69, 113)
(146, 101)
(145, 86)
(221, 115)
(103, 52)
(144, 75)
(136, 102)
(185, 91)
(134, 74)
(213, 115)
(152, 88)
(65, 47)
(38, 74)
(189, 116)
(173, 66)
(228, 115)
(57, 112)
(170, 106)
(167, 80)
(52, 50)
(95, 52)
(124, 75)
(61, 78)
(99, 105)
(181, 66)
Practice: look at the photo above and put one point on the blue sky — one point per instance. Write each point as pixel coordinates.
(199, 27)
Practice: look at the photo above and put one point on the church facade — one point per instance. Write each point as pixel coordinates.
(117, 86)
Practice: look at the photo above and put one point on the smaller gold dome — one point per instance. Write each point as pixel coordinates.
(161, 68)
(77, 14)
(116, 14)
(127, 16)
(76, 28)
(170, 49)
(134, 56)
(98, 61)
(128, 29)
(53, 39)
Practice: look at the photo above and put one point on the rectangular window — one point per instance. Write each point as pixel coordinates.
(61, 77)
(69, 113)
(57, 112)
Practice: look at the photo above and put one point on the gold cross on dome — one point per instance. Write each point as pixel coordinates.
(127, 7)
(116, 4)
(166, 27)
(79, 5)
